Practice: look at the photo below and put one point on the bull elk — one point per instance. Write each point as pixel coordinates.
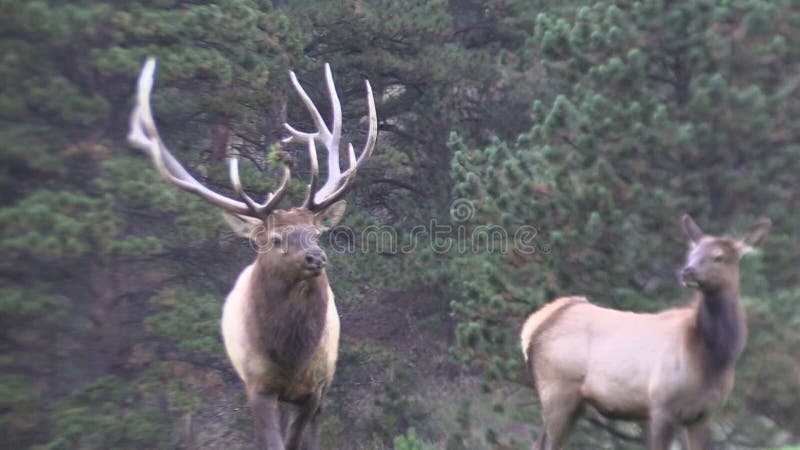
(672, 368)
(279, 323)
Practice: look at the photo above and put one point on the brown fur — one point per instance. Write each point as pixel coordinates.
(720, 330)
(672, 368)
(287, 321)
(288, 316)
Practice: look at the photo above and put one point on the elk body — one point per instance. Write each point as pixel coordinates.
(672, 368)
(279, 323)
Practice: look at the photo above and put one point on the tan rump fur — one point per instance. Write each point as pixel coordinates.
(536, 319)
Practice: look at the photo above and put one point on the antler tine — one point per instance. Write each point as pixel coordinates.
(312, 186)
(337, 182)
(336, 135)
(261, 210)
(143, 135)
(322, 133)
(372, 134)
(329, 138)
(343, 183)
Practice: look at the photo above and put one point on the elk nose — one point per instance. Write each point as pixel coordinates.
(316, 258)
(688, 273)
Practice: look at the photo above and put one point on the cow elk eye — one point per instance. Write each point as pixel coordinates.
(719, 258)
(276, 240)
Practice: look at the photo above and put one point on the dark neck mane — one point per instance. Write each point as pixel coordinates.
(721, 328)
(288, 319)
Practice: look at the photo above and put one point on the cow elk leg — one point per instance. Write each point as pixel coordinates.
(540, 441)
(560, 409)
(697, 436)
(662, 429)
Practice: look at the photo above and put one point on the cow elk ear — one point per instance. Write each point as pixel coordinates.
(754, 237)
(243, 226)
(691, 229)
(330, 216)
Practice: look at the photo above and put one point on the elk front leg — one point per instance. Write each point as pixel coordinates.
(697, 436)
(540, 441)
(312, 443)
(309, 411)
(662, 428)
(266, 418)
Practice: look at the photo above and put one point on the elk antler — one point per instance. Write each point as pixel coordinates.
(144, 135)
(338, 182)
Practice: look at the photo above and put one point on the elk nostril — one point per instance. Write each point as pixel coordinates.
(310, 259)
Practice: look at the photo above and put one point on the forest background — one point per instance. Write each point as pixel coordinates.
(582, 130)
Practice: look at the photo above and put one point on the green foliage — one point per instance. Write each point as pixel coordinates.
(189, 318)
(28, 303)
(99, 416)
(55, 225)
(173, 381)
(457, 439)
(20, 403)
(397, 409)
(410, 441)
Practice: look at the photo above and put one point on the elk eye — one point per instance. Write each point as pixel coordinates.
(719, 258)
(276, 240)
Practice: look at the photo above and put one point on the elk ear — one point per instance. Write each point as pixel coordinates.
(755, 236)
(330, 216)
(691, 229)
(243, 226)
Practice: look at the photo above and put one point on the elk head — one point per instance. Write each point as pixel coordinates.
(713, 262)
(287, 239)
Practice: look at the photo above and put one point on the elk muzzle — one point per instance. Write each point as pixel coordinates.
(315, 260)
(689, 277)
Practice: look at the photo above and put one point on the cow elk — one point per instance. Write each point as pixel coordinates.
(673, 368)
(279, 323)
